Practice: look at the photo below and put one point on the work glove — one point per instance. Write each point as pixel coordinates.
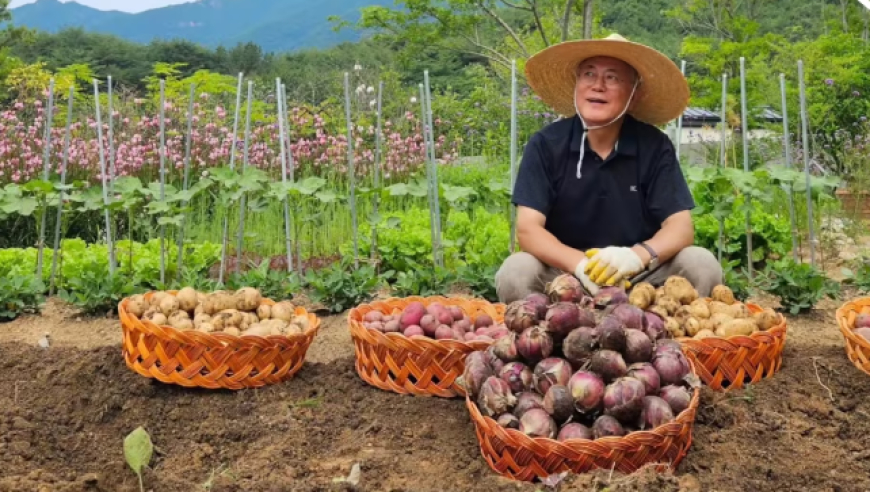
(611, 265)
(580, 272)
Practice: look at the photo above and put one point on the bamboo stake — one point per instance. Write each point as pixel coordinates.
(46, 167)
(240, 235)
(722, 152)
(745, 124)
(186, 184)
(429, 179)
(291, 165)
(287, 244)
(350, 169)
(103, 175)
(377, 183)
(806, 144)
(62, 196)
(162, 177)
(226, 230)
(513, 153)
(786, 145)
(433, 164)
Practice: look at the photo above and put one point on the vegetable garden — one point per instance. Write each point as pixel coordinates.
(303, 298)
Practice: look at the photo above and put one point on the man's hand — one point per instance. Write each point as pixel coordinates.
(612, 264)
(580, 272)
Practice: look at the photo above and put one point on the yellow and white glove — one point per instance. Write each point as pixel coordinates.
(613, 264)
(580, 272)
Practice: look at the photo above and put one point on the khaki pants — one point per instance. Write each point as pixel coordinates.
(522, 273)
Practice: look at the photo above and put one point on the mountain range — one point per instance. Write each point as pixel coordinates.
(275, 25)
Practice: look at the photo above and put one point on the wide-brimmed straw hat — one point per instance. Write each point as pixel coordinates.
(662, 95)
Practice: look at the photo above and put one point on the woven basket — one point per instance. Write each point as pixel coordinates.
(514, 455)
(212, 360)
(857, 348)
(419, 366)
(726, 364)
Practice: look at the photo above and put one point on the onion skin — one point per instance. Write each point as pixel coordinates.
(656, 412)
(672, 368)
(541, 301)
(509, 421)
(608, 296)
(623, 399)
(495, 397)
(520, 316)
(538, 423)
(655, 326)
(477, 370)
(638, 346)
(606, 426)
(608, 364)
(630, 315)
(646, 374)
(565, 288)
(558, 403)
(505, 348)
(677, 397)
(579, 345)
(527, 401)
(518, 376)
(549, 372)
(587, 390)
(667, 345)
(561, 318)
(493, 360)
(535, 344)
(574, 430)
(611, 334)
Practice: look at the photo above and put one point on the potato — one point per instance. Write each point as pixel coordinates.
(707, 324)
(200, 319)
(720, 319)
(168, 305)
(669, 303)
(700, 309)
(217, 302)
(704, 334)
(264, 311)
(723, 294)
(232, 330)
(642, 295)
(301, 322)
(137, 305)
(157, 297)
(200, 309)
(673, 326)
(182, 324)
(258, 329)
(680, 289)
(284, 310)
(660, 311)
(248, 319)
(247, 299)
(691, 326)
(159, 319)
(186, 299)
(660, 292)
(737, 327)
(200, 297)
(682, 314)
(719, 307)
(293, 329)
(740, 310)
(766, 319)
(206, 327)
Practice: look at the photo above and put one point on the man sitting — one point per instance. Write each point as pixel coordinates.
(600, 194)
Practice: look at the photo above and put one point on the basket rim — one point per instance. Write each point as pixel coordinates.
(843, 324)
(682, 419)
(354, 320)
(222, 337)
(776, 330)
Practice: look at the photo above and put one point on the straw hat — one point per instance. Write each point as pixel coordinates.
(662, 95)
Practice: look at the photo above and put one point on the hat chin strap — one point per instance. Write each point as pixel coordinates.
(587, 128)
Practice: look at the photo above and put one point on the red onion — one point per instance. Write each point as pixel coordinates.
(655, 326)
(608, 364)
(667, 346)
(562, 317)
(606, 426)
(518, 376)
(647, 374)
(549, 372)
(493, 360)
(579, 345)
(565, 288)
(574, 430)
(509, 421)
(677, 397)
(611, 334)
(558, 403)
(541, 301)
(495, 397)
(672, 367)
(623, 399)
(538, 423)
(506, 349)
(655, 412)
(520, 315)
(477, 370)
(630, 315)
(607, 296)
(527, 401)
(638, 346)
(587, 390)
(535, 344)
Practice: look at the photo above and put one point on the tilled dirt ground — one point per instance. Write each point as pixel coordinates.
(65, 410)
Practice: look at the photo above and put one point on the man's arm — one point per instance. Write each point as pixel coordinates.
(677, 232)
(542, 244)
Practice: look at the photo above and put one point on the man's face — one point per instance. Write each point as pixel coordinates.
(603, 87)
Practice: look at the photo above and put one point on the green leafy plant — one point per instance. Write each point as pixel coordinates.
(859, 276)
(95, 291)
(737, 279)
(19, 293)
(799, 286)
(341, 286)
(138, 450)
(274, 284)
(424, 282)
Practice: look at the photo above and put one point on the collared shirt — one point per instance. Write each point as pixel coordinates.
(620, 200)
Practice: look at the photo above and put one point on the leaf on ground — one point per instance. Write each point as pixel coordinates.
(138, 449)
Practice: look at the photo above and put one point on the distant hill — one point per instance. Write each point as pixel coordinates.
(275, 25)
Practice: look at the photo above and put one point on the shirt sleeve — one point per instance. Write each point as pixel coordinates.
(533, 186)
(668, 192)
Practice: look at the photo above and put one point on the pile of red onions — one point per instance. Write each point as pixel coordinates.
(575, 367)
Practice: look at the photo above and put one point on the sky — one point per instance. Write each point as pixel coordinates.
(123, 5)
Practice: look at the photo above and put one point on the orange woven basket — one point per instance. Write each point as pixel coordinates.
(514, 455)
(857, 348)
(212, 360)
(419, 366)
(726, 364)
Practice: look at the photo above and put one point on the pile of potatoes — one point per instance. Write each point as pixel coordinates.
(686, 314)
(236, 313)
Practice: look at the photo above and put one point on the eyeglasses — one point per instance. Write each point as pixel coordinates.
(611, 80)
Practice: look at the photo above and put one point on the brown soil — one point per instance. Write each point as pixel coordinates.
(65, 410)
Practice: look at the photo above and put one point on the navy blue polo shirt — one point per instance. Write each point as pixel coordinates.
(620, 200)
